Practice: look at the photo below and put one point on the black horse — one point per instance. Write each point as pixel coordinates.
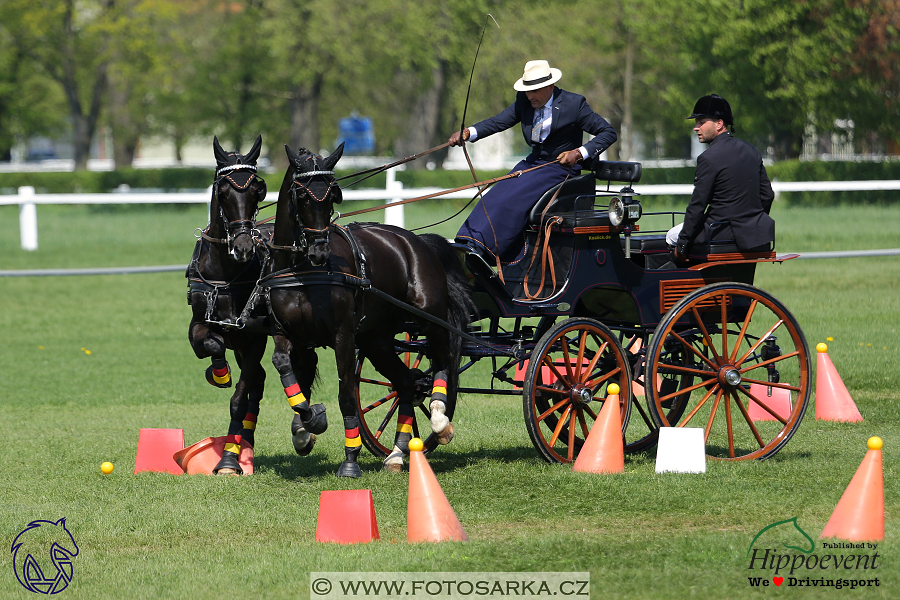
(328, 288)
(223, 272)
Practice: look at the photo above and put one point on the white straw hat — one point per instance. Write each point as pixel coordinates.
(538, 74)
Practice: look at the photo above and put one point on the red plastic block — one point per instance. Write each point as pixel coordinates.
(346, 517)
(155, 450)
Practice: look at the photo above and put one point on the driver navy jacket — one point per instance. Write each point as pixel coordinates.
(571, 117)
(730, 187)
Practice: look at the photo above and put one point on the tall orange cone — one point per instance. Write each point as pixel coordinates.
(429, 516)
(859, 516)
(833, 401)
(604, 449)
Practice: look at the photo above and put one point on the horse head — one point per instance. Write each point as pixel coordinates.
(313, 193)
(40, 543)
(237, 193)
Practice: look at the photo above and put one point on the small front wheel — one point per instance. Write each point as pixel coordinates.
(565, 386)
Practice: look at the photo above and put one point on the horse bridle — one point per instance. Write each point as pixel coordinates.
(237, 227)
(309, 235)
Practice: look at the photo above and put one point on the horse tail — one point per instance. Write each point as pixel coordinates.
(460, 306)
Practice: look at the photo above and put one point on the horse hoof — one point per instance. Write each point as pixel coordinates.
(213, 382)
(303, 442)
(349, 469)
(444, 437)
(394, 462)
(318, 422)
(228, 465)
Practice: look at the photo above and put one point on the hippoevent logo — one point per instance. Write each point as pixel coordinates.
(799, 564)
(42, 556)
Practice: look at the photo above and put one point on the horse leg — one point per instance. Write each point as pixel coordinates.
(310, 416)
(303, 439)
(345, 359)
(244, 406)
(381, 354)
(439, 342)
(206, 342)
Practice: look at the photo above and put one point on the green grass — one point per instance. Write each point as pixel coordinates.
(639, 534)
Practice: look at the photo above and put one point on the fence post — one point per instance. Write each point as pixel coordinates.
(28, 231)
(393, 215)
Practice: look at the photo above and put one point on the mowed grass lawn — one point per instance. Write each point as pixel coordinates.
(86, 362)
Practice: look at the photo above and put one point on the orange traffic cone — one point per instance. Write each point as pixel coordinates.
(859, 516)
(833, 401)
(429, 516)
(604, 449)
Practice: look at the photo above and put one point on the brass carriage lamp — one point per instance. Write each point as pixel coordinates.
(623, 212)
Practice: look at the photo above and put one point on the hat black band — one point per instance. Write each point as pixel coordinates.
(537, 81)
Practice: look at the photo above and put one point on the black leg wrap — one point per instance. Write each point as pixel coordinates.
(313, 417)
(229, 461)
(303, 439)
(350, 468)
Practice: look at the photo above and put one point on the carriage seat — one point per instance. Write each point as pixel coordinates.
(705, 251)
(574, 202)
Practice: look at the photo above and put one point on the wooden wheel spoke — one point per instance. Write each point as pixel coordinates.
(687, 389)
(730, 428)
(378, 403)
(589, 411)
(782, 386)
(583, 421)
(548, 362)
(387, 418)
(759, 342)
(552, 409)
(581, 343)
(670, 369)
(550, 390)
(696, 352)
(740, 405)
(712, 415)
(763, 405)
(559, 425)
(567, 358)
(700, 404)
(595, 384)
(724, 315)
(743, 332)
(375, 382)
(593, 364)
(706, 337)
(571, 449)
(647, 420)
(770, 361)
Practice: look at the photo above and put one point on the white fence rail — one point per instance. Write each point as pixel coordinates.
(28, 200)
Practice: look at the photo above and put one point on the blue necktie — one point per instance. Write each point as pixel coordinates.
(538, 125)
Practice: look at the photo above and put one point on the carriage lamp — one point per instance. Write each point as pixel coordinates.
(624, 211)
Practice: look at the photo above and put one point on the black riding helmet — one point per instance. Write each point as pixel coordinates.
(713, 107)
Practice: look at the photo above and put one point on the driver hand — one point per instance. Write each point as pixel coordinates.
(454, 139)
(568, 159)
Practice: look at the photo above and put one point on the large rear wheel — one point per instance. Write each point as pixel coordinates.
(750, 364)
(566, 385)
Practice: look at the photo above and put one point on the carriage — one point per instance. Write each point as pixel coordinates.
(697, 346)
(413, 318)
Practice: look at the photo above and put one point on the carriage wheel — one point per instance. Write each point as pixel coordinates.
(751, 367)
(377, 404)
(565, 386)
(643, 432)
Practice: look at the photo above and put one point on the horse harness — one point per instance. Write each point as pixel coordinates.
(240, 176)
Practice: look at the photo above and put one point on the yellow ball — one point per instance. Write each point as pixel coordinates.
(416, 445)
(875, 443)
(106, 468)
(820, 347)
(613, 388)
